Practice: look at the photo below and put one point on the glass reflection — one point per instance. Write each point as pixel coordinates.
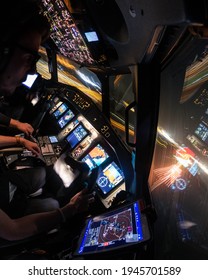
(179, 174)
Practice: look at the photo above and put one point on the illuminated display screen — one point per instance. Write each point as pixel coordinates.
(109, 178)
(116, 229)
(53, 139)
(30, 80)
(76, 136)
(64, 120)
(91, 36)
(202, 132)
(95, 157)
(61, 109)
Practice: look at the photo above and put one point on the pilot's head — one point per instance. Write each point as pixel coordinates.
(19, 43)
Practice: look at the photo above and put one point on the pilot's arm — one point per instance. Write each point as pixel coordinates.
(9, 122)
(15, 229)
(8, 141)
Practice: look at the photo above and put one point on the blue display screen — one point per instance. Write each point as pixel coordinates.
(91, 36)
(118, 228)
(61, 109)
(65, 119)
(76, 136)
(53, 139)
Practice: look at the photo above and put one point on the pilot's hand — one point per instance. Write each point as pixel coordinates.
(81, 200)
(31, 146)
(24, 127)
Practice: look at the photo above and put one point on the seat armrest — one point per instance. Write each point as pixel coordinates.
(10, 150)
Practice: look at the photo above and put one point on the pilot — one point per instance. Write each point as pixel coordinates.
(13, 52)
(18, 58)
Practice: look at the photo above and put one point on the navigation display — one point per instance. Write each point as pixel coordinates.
(65, 119)
(122, 227)
(76, 136)
(109, 178)
(95, 157)
(61, 109)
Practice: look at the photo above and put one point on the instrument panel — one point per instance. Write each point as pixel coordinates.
(80, 139)
(74, 127)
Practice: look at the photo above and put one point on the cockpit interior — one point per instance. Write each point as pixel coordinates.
(121, 89)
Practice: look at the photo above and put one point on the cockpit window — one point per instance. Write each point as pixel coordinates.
(70, 73)
(42, 64)
(179, 175)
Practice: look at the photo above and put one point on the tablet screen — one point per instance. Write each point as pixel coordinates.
(122, 227)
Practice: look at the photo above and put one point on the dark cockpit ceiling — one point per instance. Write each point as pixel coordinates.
(123, 33)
